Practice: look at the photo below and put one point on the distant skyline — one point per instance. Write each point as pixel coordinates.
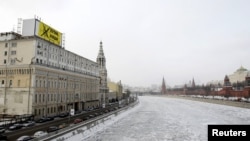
(146, 40)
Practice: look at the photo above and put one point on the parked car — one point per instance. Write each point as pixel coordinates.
(96, 114)
(64, 114)
(2, 129)
(45, 119)
(52, 129)
(28, 124)
(84, 111)
(49, 118)
(86, 118)
(111, 109)
(90, 109)
(91, 116)
(120, 106)
(63, 125)
(41, 120)
(15, 127)
(78, 120)
(38, 134)
(25, 138)
(78, 112)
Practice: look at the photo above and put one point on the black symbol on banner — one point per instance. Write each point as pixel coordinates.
(45, 31)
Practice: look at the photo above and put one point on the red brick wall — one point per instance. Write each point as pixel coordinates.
(226, 91)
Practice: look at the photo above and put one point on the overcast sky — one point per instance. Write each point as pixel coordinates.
(146, 40)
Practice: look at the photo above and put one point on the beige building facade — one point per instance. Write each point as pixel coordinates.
(41, 78)
(239, 75)
(115, 90)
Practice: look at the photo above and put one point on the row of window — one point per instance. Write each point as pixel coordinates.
(14, 71)
(11, 83)
(85, 70)
(13, 44)
(55, 50)
(52, 84)
(41, 98)
(72, 62)
(60, 57)
(64, 61)
(50, 110)
(64, 84)
(13, 52)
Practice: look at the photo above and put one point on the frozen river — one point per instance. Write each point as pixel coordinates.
(169, 119)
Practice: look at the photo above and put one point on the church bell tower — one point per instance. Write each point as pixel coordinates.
(101, 60)
(163, 87)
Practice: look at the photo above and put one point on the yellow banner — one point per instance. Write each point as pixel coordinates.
(49, 34)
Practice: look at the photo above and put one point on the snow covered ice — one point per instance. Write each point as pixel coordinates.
(167, 119)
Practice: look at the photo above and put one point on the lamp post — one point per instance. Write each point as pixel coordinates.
(69, 114)
(47, 91)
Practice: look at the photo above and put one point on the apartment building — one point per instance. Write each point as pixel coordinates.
(38, 76)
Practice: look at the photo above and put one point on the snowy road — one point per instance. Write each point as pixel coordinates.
(170, 119)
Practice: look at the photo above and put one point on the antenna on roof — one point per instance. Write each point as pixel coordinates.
(19, 25)
(37, 17)
(14, 29)
(63, 40)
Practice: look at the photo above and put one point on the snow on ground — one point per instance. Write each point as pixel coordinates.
(167, 119)
(221, 98)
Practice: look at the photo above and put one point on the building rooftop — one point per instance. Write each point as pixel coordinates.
(241, 69)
